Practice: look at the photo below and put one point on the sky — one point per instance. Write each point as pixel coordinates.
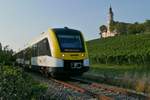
(22, 20)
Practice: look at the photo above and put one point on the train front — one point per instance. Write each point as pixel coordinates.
(70, 48)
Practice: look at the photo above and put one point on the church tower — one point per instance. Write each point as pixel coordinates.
(108, 32)
(110, 17)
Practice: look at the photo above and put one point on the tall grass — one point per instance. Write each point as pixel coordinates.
(129, 76)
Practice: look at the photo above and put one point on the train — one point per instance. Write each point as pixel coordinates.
(57, 52)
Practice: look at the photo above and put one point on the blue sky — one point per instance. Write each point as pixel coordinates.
(22, 20)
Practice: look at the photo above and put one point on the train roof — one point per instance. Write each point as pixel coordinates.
(44, 34)
(65, 30)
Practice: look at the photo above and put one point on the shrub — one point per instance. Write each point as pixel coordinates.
(15, 84)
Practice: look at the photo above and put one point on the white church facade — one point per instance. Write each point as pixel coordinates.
(108, 32)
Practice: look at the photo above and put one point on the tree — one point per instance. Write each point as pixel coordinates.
(128, 28)
(103, 28)
(0, 47)
(140, 28)
(112, 26)
(131, 29)
(121, 28)
(147, 25)
(6, 55)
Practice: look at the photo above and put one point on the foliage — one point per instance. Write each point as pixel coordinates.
(15, 84)
(129, 28)
(103, 28)
(137, 28)
(6, 55)
(126, 49)
(147, 25)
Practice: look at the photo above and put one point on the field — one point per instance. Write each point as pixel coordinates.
(119, 70)
(125, 49)
(123, 60)
(127, 76)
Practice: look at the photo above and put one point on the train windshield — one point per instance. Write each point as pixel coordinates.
(70, 40)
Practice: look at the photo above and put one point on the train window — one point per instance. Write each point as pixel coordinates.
(46, 50)
(39, 48)
(21, 55)
(34, 50)
(43, 47)
(70, 40)
(28, 53)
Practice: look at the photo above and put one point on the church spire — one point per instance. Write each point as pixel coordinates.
(111, 15)
(108, 31)
(110, 9)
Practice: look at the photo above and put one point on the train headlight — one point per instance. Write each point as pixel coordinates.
(83, 55)
(63, 55)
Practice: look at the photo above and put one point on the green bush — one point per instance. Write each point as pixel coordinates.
(15, 84)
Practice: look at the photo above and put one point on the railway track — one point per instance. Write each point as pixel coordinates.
(99, 91)
(114, 92)
(79, 88)
(82, 90)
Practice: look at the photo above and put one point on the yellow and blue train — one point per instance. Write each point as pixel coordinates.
(57, 52)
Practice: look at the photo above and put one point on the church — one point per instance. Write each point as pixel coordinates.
(107, 32)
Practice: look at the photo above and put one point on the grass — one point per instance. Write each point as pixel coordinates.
(111, 69)
(135, 77)
(119, 70)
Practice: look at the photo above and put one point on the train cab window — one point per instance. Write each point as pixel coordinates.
(70, 40)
